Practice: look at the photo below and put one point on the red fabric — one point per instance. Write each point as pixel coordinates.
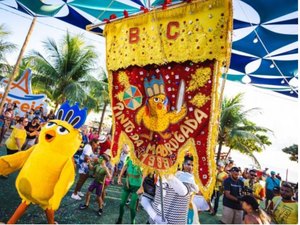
(104, 146)
(125, 118)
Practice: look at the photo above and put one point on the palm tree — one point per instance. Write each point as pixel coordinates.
(237, 132)
(5, 47)
(67, 72)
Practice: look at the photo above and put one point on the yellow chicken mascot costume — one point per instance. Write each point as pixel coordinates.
(47, 168)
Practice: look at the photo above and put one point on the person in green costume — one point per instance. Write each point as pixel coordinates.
(133, 182)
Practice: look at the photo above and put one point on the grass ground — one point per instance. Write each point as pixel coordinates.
(68, 213)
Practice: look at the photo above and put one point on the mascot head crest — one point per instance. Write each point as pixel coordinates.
(73, 115)
(154, 86)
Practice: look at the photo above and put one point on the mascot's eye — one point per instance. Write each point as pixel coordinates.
(62, 130)
(50, 124)
(156, 99)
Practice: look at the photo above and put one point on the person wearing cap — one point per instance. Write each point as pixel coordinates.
(233, 188)
(254, 215)
(252, 184)
(133, 183)
(271, 183)
(89, 153)
(286, 210)
(218, 191)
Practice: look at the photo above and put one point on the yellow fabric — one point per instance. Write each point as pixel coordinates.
(286, 213)
(49, 172)
(220, 178)
(12, 163)
(16, 133)
(258, 189)
(202, 30)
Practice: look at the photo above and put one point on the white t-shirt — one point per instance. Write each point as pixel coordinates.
(83, 166)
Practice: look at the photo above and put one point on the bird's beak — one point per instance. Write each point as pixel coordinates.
(50, 135)
(159, 105)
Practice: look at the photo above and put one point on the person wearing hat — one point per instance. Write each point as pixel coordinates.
(218, 191)
(254, 215)
(233, 188)
(271, 183)
(254, 187)
(286, 209)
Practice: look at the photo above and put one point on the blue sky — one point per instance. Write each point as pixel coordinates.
(278, 113)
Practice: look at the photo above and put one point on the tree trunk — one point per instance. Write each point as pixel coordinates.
(228, 153)
(219, 151)
(16, 67)
(102, 117)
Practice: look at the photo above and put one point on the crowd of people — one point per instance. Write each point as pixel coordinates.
(254, 197)
(250, 196)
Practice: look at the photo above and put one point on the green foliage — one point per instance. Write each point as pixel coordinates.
(5, 47)
(237, 132)
(68, 70)
(293, 151)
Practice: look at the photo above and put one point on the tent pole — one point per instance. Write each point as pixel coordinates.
(220, 108)
(16, 67)
(162, 200)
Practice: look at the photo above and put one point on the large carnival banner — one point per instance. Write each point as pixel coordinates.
(164, 67)
(21, 94)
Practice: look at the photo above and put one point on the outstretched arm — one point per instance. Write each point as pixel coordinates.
(12, 163)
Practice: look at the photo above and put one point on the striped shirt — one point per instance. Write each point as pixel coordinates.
(175, 205)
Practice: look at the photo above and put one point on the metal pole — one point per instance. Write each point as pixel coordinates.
(286, 175)
(16, 67)
(162, 201)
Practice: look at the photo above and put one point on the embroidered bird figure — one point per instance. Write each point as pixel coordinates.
(157, 117)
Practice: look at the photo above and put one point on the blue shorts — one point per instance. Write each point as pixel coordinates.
(120, 165)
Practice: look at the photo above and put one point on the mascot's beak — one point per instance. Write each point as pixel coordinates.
(50, 135)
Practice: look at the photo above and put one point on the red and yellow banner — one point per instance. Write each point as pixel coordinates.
(163, 73)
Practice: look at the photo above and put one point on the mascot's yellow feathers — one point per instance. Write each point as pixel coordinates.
(47, 169)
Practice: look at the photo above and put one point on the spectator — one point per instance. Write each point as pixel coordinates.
(88, 155)
(123, 156)
(232, 209)
(286, 209)
(51, 115)
(221, 176)
(253, 186)
(229, 166)
(254, 215)
(271, 183)
(30, 115)
(32, 130)
(100, 172)
(17, 137)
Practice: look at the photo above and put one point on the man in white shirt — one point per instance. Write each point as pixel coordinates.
(89, 153)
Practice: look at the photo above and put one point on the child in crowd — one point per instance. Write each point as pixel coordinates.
(101, 172)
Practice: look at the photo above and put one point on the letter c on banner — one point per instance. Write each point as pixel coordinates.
(176, 34)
